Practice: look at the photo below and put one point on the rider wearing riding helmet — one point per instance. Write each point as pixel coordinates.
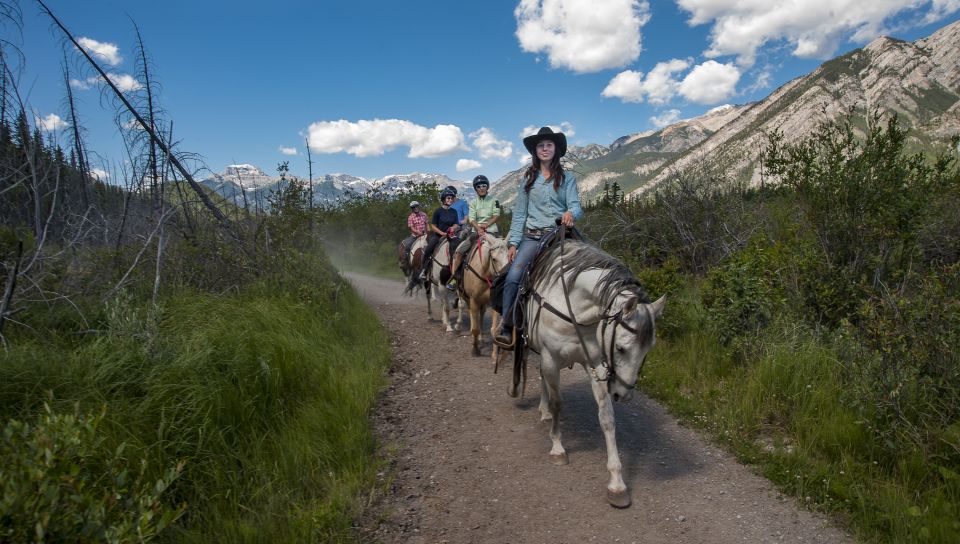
(483, 216)
(443, 223)
(545, 194)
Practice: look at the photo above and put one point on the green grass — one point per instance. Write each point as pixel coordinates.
(784, 407)
(263, 395)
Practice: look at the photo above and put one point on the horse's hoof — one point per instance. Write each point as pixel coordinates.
(476, 351)
(618, 499)
(561, 459)
(449, 329)
(512, 391)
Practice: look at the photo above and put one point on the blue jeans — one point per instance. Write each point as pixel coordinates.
(526, 251)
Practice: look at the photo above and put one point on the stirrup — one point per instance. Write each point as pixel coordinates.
(504, 345)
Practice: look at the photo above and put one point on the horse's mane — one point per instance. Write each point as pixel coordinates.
(579, 257)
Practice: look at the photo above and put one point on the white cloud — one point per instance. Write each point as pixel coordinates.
(50, 123)
(658, 87)
(107, 52)
(762, 80)
(467, 164)
(582, 35)
(710, 82)
(132, 124)
(666, 118)
(83, 84)
(99, 173)
(489, 146)
(565, 127)
(287, 150)
(814, 28)
(125, 82)
(366, 138)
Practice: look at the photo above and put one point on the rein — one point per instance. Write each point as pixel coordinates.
(608, 363)
(479, 249)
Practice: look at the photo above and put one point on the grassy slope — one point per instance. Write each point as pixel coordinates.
(263, 394)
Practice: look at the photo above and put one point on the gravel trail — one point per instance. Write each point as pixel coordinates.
(468, 464)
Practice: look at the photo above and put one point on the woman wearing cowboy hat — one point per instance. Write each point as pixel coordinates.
(546, 193)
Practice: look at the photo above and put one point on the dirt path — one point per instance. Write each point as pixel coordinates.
(470, 464)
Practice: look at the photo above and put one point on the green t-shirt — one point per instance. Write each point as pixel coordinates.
(483, 209)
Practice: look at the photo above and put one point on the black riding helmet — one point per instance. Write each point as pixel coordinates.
(480, 180)
(449, 191)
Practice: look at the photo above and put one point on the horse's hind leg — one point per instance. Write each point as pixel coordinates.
(476, 318)
(617, 494)
(550, 392)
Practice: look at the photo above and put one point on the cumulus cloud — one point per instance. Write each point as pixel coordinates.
(467, 164)
(710, 83)
(50, 123)
(83, 84)
(125, 82)
(287, 150)
(667, 118)
(369, 138)
(582, 35)
(107, 52)
(815, 28)
(658, 86)
(99, 173)
(489, 146)
(565, 127)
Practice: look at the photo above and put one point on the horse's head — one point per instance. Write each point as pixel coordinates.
(499, 259)
(629, 334)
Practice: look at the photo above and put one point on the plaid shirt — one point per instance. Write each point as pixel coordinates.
(417, 221)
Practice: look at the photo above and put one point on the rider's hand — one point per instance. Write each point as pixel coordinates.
(567, 219)
(511, 253)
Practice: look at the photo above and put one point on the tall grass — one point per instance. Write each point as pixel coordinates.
(263, 395)
(786, 405)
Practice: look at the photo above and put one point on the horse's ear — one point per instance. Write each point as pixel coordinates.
(629, 306)
(657, 306)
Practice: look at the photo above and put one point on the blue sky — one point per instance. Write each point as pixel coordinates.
(436, 86)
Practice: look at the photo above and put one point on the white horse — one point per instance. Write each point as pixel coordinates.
(586, 307)
(440, 261)
(484, 262)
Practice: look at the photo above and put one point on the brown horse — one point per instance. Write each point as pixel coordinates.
(485, 260)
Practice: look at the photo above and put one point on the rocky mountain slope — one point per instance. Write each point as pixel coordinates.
(919, 81)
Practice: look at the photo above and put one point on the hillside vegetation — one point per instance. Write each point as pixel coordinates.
(172, 367)
(813, 320)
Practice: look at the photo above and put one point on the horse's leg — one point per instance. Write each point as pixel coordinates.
(494, 321)
(550, 392)
(458, 326)
(426, 290)
(476, 317)
(445, 307)
(617, 494)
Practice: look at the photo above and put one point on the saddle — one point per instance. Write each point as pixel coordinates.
(518, 310)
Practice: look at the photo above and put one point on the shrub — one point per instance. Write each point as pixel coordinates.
(58, 483)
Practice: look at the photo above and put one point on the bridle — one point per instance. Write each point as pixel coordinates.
(493, 264)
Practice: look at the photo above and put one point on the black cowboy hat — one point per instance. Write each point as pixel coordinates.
(546, 133)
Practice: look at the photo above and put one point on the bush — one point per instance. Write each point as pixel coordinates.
(59, 483)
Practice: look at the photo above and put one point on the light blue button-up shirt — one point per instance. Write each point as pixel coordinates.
(542, 206)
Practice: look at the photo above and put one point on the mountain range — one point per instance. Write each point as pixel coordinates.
(918, 81)
(247, 185)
